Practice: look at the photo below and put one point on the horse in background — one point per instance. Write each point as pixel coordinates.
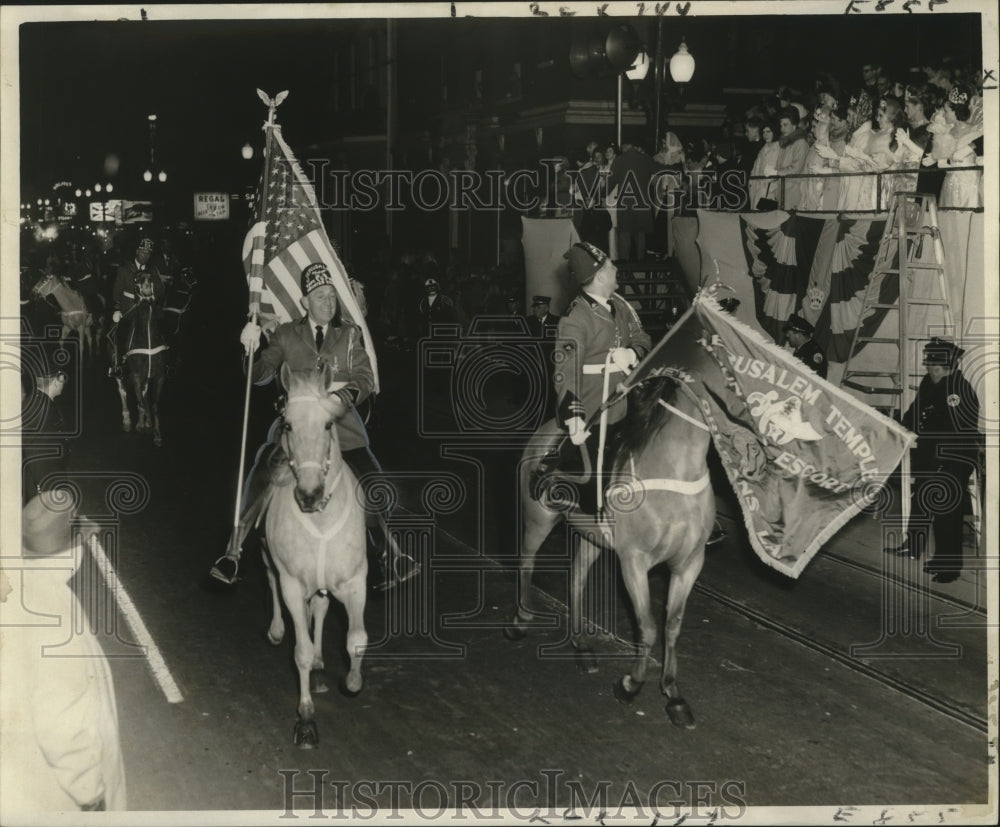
(140, 343)
(73, 312)
(314, 539)
(661, 509)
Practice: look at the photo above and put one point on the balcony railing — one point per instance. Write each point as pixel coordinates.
(882, 186)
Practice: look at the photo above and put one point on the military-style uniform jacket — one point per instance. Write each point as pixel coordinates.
(587, 332)
(294, 343)
(945, 418)
(812, 354)
(126, 291)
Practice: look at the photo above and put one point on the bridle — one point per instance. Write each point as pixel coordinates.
(301, 466)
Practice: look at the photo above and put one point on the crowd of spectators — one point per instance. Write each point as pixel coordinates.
(830, 148)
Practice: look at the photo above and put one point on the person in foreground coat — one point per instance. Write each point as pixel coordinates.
(59, 735)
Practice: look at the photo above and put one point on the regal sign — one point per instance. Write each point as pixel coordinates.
(211, 206)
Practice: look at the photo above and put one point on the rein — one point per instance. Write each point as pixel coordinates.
(688, 487)
(324, 466)
(324, 536)
(682, 415)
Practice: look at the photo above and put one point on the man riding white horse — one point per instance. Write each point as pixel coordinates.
(321, 337)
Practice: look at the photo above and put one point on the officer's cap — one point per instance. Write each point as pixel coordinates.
(942, 352)
(799, 325)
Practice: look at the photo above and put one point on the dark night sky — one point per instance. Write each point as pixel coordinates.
(86, 88)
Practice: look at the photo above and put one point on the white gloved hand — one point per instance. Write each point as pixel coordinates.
(250, 337)
(624, 358)
(578, 432)
(116, 316)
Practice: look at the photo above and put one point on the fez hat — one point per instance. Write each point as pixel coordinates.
(942, 352)
(46, 523)
(799, 325)
(537, 301)
(315, 275)
(729, 304)
(146, 244)
(584, 260)
(431, 284)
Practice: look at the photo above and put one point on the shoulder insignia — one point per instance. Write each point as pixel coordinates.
(817, 358)
(954, 400)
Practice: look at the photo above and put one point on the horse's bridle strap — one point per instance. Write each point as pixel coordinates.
(683, 415)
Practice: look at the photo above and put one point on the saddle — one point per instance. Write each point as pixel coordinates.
(570, 465)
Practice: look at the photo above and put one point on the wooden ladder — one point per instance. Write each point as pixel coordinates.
(912, 219)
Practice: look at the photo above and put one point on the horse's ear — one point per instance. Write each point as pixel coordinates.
(286, 375)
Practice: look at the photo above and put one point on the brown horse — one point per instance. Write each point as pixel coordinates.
(660, 508)
(315, 539)
(73, 312)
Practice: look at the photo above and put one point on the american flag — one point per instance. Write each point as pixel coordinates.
(286, 236)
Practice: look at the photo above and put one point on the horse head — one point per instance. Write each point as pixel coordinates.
(309, 433)
(45, 285)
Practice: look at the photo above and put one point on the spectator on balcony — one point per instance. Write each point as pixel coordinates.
(866, 98)
(631, 173)
(818, 162)
(791, 156)
(873, 150)
(592, 220)
(669, 192)
(957, 126)
(751, 144)
(763, 186)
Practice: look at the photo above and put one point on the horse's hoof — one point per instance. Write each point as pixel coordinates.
(157, 440)
(317, 682)
(622, 693)
(306, 735)
(346, 691)
(127, 428)
(586, 662)
(513, 632)
(275, 640)
(680, 713)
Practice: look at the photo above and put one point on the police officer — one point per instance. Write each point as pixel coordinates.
(945, 417)
(544, 326)
(800, 334)
(599, 338)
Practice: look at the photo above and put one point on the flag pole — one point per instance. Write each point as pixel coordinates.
(272, 104)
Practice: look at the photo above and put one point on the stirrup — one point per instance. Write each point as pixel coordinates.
(226, 569)
(394, 578)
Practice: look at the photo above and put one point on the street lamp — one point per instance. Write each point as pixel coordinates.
(247, 151)
(681, 72)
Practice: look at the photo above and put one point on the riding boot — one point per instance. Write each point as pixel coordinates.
(255, 499)
(562, 458)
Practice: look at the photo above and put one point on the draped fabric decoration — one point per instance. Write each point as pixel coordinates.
(819, 268)
(780, 261)
(848, 272)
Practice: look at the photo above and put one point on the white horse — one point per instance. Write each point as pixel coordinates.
(315, 538)
(73, 312)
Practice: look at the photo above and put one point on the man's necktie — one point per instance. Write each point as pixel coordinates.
(319, 337)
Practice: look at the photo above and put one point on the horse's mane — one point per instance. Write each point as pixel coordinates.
(645, 417)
